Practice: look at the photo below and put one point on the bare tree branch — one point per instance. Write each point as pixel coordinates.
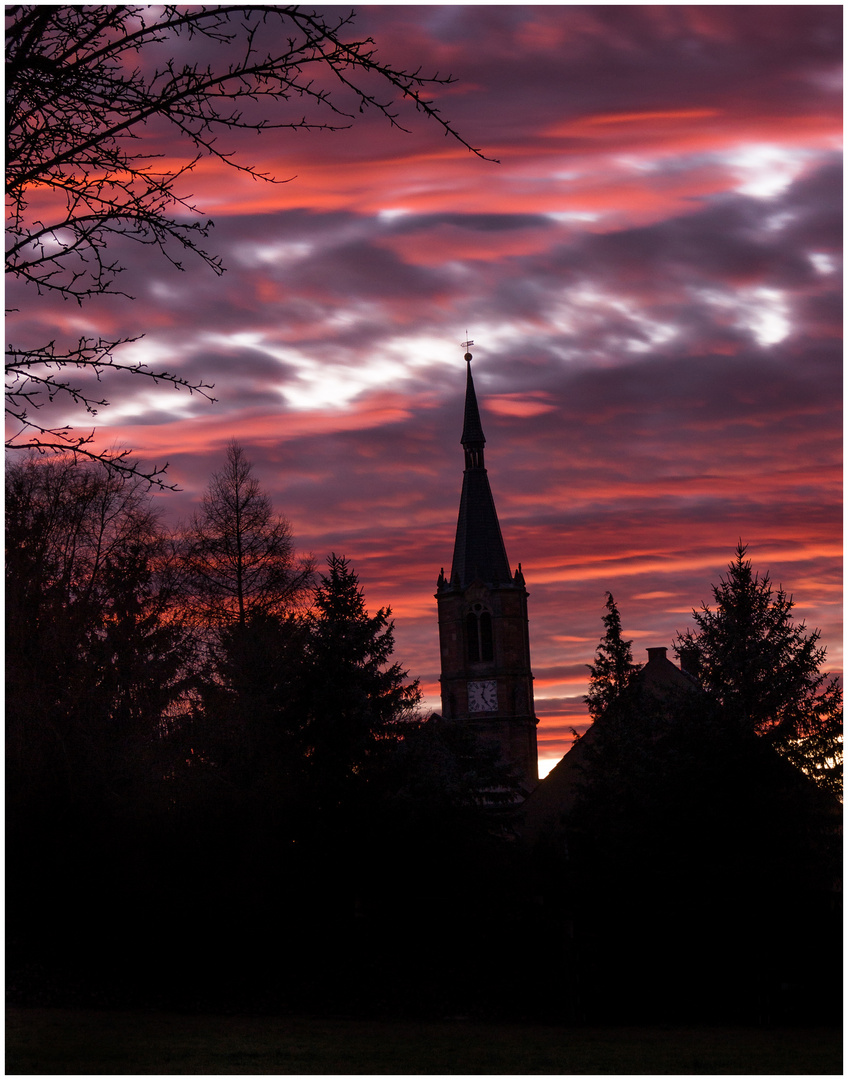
(82, 85)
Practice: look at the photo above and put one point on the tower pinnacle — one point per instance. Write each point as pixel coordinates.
(473, 438)
(479, 549)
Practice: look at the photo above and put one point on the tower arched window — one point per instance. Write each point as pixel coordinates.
(478, 629)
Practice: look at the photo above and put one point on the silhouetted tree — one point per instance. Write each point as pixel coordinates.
(613, 667)
(700, 869)
(356, 698)
(765, 671)
(95, 654)
(298, 727)
(97, 658)
(238, 554)
(445, 784)
(250, 720)
(242, 585)
(85, 86)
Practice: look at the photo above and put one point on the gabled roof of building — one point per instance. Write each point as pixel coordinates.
(549, 806)
(553, 800)
(660, 676)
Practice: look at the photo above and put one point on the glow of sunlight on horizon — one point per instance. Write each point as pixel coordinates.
(546, 764)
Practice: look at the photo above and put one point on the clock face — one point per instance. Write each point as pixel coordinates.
(483, 696)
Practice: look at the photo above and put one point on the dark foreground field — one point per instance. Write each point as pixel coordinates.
(82, 1041)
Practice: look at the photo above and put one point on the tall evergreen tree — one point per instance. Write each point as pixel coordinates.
(613, 667)
(250, 721)
(238, 554)
(95, 653)
(96, 659)
(355, 696)
(246, 589)
(765, 670)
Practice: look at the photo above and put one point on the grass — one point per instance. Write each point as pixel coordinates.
(66, 1041)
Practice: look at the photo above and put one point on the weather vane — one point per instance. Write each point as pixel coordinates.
(467, 345)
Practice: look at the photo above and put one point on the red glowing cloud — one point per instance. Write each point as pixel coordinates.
(652, 278)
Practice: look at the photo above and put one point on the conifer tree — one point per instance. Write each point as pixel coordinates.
(245, 589)
(238, 554)
(96, 653)
(613, 667)
(355, 695)
(765, 670)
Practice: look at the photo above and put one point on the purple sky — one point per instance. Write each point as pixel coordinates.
(652, 279)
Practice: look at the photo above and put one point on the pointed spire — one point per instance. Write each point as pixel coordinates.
(479, 550)
(473, 438)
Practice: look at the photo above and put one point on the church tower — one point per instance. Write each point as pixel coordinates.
(483, 632)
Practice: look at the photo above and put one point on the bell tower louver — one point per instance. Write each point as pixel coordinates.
(483, 628)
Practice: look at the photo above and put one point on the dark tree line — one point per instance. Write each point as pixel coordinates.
(764, 670)
(219, 788)
(751, 660)
(96, 647)
(220, 793)
(704, 845)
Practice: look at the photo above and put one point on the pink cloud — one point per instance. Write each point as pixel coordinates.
(615, 270)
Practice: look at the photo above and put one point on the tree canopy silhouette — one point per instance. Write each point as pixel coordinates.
(356, 696)
(765, 671)
(238, 555)
(681, 813)
(87, 90)
(96, 651)
(613, 668)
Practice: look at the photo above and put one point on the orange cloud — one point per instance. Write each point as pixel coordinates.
(657, 114)
(520, 404)
(209, 431)
(437, 245)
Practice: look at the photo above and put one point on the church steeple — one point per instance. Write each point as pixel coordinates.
(479, 551)
(483, 631)
(473, 438)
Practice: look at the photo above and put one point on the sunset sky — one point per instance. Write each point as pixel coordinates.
(651, 276)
